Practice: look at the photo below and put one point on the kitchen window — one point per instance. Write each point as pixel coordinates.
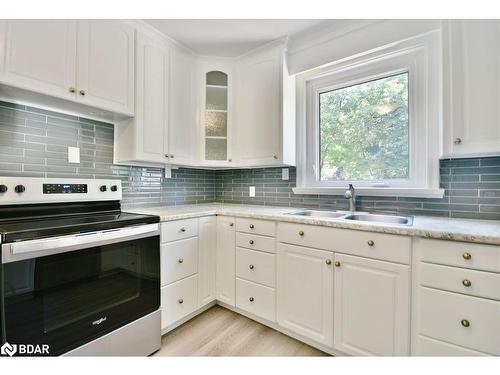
(372, 121)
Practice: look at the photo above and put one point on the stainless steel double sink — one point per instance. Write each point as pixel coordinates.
(356, 216)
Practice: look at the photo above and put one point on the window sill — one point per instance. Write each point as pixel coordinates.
(374, 192)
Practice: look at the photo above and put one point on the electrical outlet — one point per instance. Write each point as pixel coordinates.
(73, 155)
(285, 174)
(251, 191)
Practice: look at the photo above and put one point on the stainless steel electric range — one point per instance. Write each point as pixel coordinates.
(78, 276)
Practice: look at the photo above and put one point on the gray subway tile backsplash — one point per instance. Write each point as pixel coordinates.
(33, 143)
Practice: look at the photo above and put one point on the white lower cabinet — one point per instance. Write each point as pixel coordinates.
(207, 245)
(179, 300)
(256, 299)
(226, 260)
(372, 308)
(305, 292)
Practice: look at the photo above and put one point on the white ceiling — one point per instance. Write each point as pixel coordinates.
(229, 37)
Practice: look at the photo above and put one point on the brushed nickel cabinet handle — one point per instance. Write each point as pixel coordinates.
(275, 156)
(171, 156)
(467, 256)
(328, 261)
(180, 260)
(301, 233)
(465, 323)
(72, 90)
(82, 92)
(337, 264)
(457, 141)
(371, 243)
(167, 156)
(466, 283)
(251, 266)
(181, 301)
(251, 226)
(183, 229)
(251, 299)
(251, 242)
(231, 224)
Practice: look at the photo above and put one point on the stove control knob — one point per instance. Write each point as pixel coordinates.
(19, 189)
(114, 188)
(3, 188)
(103, 188)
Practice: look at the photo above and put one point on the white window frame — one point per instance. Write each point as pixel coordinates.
(420, 57)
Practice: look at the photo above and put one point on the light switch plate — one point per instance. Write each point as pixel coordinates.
(168, 171)
(251, 191)
(285, 174)
(73, 155)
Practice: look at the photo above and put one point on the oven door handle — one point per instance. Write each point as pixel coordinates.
(54, 245)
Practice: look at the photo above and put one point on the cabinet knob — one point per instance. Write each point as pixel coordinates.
(465, 323)
(251, 242)
(251, 299)
(466, 283)
(171, 156)
(301, 233)
(230, 160)
(457, 141)
(231, 224)
(328, 261)
(251, 226)
(72, 90)
(167, 156)
(275, 156)
(180, 260)
(251, 266)
(183, 229)
(337, 264)
(82, 92)
(181, 301)
(371, 243)
(467, 256)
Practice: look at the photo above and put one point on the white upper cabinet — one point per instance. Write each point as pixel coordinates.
(216, 113)
(105, 65)
(40, 55)
(264, 133)
(372, 307)
(183, 134)
(90, 62)
(471, 87)
(145, 137)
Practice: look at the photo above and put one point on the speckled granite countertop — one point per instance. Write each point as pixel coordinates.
(480, 231)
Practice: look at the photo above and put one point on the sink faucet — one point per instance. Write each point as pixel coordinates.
(351, 195)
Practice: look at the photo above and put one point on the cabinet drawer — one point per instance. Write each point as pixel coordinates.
(253, 241)
(256, 299)
(366, 244)
(442, 315)
(452, 253)
(179, 259)
(431, 347)
(179, 229)
(461, 280)
(256, 266)
(178, 300)
(262, 227)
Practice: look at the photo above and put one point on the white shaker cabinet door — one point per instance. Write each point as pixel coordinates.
(305, 292)
(226, 260)
(372, 308)
(105, 65)
(207, 246)
(472, 88)
(40, 56)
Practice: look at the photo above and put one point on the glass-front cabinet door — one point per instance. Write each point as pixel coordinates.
(216, 118)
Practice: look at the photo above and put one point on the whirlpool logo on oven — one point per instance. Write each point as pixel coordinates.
(11, 350)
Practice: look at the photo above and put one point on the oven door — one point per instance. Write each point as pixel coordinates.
(70, 290)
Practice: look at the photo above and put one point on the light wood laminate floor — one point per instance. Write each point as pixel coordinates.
(221, 332)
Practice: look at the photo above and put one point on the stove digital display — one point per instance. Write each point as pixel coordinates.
(64, 188)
